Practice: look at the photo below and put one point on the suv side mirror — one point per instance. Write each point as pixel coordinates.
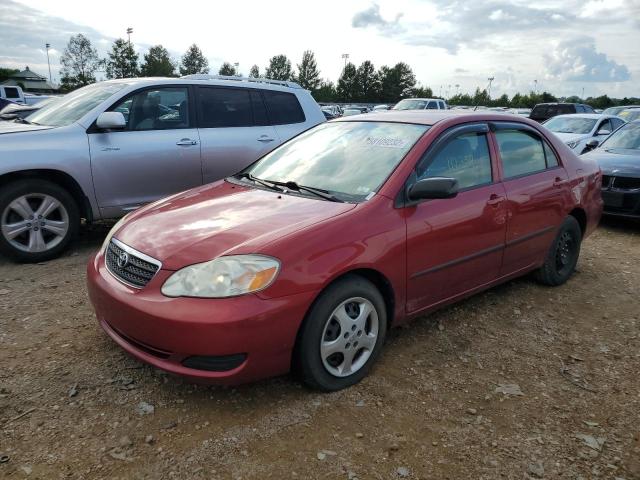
(111, 121)
(593, 143)
(604, 131)
(433, 187)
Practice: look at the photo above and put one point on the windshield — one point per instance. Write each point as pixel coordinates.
(73, 106)
(630, 115)
(570, 124)
(347, 159)
(626, 137)
(408, 104)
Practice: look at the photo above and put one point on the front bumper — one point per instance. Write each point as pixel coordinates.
(621, 202)
(165, 332)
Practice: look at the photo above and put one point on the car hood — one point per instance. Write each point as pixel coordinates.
(16, 127)
(619, 161)
(570, 137)
(218, 219)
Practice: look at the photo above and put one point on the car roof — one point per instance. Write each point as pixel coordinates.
(431, 117)
(422, 99)
(585, 115)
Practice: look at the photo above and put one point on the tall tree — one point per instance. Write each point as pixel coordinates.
(421, 92)
(122, 61)
(254, 72)
(396, 82)
(279, 68)
(227, 69)
(347, 89)
(326, 92)
(157, 63)
(193, 61)
(367, 83)
(79, 63)
(308, 74)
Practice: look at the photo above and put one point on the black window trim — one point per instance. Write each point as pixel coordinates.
(402, 200)
(495, 126)
(93, 128)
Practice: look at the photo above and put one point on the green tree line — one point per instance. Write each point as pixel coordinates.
(364, 83)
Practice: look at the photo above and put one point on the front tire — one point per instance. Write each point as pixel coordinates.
(37, 220)
(562, 258)
(342, 335)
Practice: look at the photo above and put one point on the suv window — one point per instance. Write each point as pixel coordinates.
(156, 109)
(283, 107)
(521, 152)
(11, 92)
(605, 125)
(588, 109)
(579, 109)
(465, 158)
(224, 107)
(441, 103)
(432, 106)
(566, 109)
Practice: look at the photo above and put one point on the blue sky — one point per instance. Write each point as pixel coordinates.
(566, 46)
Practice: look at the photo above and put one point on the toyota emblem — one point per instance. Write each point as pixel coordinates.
(123, 259)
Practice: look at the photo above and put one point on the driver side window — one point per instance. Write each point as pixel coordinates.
(465, 158)
(156, 109)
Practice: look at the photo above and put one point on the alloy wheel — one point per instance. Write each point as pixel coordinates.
(35, 222)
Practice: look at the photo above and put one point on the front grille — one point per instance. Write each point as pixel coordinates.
(626, 183)
(606, 181)
(137, 271)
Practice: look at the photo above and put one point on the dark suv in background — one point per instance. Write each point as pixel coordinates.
(544, 111)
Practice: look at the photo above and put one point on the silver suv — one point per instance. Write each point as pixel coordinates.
(110, 147)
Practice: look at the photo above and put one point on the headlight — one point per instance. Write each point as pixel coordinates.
(223, 277)
(573, 144)
(111, 232)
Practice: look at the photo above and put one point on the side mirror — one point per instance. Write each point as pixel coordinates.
(603, 132)
(111, 121)
(591, 144)
(433, 187)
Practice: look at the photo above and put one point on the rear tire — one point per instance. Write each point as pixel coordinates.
(563, 254)
(37, 220)
(342, 335)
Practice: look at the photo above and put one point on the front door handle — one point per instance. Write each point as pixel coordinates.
(265, 139)
(494, 199)
(558, 182)
(186, 141)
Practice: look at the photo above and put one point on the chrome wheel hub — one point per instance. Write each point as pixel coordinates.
(349, 337)
(34, 222)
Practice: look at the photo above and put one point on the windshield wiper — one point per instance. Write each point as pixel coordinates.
(264, 183)
(291, 185)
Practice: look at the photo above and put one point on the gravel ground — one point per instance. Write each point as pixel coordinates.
(519, 382)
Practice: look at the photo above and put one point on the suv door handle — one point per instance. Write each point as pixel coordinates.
(494, 199)
(265, 139)
(186, 141)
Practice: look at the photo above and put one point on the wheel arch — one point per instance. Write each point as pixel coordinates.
(58, 177)
(581, 217)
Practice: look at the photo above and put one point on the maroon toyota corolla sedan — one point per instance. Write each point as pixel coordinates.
(305, 259)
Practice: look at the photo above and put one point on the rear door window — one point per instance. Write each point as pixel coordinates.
(521, 152)
(11, 92)
(224, 107)
(283, 108)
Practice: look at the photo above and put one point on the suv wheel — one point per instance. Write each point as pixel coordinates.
(342, 335)
(37, 220)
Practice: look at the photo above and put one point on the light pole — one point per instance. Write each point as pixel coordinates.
(129, 32)
(47, 46)
(345, 57)
(457, 88)
(582, 97)
(237, 67)
(535, 86)
(491, 79)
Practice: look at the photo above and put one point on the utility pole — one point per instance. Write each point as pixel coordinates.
(582, 97)
(535, 86)
(47, 46)
(345, 56)
(457, 88)
(491, 79)
(129, 32)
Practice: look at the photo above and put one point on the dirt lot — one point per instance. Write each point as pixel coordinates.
(437, 405)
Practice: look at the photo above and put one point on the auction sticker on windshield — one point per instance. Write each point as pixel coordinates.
(387, 142)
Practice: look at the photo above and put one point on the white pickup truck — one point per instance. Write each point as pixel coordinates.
(15, 94)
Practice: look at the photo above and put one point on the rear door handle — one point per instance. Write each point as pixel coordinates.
(558, 182)
(494, 199)
(186, 141)
(265, 139)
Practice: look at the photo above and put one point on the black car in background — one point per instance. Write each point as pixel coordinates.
(619, 160)
(544, 111)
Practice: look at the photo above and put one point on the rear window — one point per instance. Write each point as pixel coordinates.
(11, 92)
(224, 107)
(283, 108)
